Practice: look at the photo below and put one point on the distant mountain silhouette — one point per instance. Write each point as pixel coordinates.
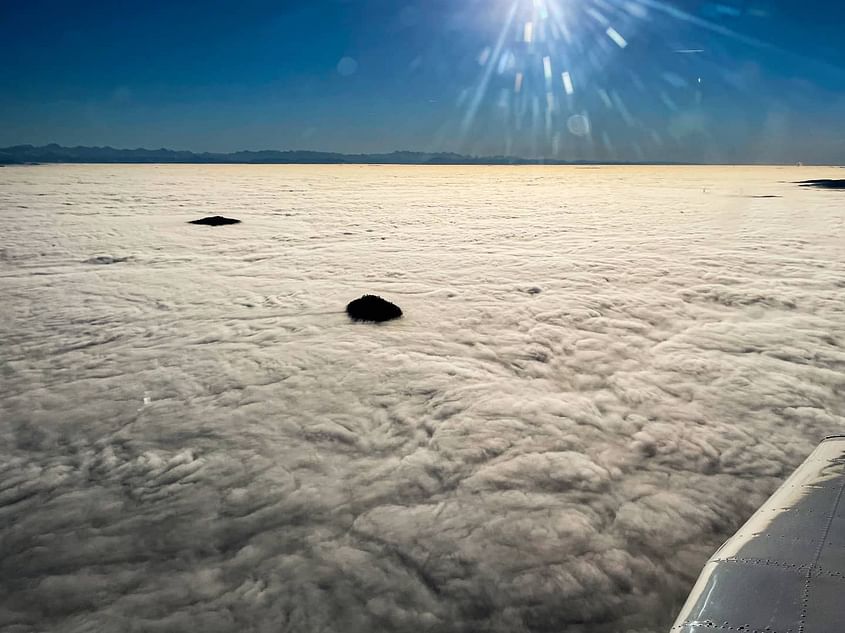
(24, 154)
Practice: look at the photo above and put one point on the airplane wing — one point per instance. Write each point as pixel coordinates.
(784, 571)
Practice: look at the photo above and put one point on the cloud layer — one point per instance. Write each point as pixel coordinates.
(600, 374)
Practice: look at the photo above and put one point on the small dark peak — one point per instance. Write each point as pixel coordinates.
(215, 220)
(373, 308)
(824, 183)
(104, 260)
(534, 290)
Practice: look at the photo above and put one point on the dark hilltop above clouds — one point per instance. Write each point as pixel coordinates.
(824, 183)
(53, 153)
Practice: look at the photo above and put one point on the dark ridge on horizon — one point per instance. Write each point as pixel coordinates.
(824, 183)
(53, 153)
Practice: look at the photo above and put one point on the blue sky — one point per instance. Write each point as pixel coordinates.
(675, 80)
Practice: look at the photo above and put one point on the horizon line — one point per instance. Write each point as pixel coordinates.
(25, 153)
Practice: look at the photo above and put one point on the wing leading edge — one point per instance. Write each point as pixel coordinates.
(784, 571)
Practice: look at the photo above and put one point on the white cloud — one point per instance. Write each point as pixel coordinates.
(196, 437)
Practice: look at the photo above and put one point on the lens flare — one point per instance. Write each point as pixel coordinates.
(606, 83)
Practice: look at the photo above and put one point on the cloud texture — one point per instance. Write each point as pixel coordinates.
(600, 374)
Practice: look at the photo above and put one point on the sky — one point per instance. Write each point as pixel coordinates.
(628, 80)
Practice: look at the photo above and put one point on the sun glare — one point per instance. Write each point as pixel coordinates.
(558, 61)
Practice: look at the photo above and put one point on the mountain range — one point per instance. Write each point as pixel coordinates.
(53, 153)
